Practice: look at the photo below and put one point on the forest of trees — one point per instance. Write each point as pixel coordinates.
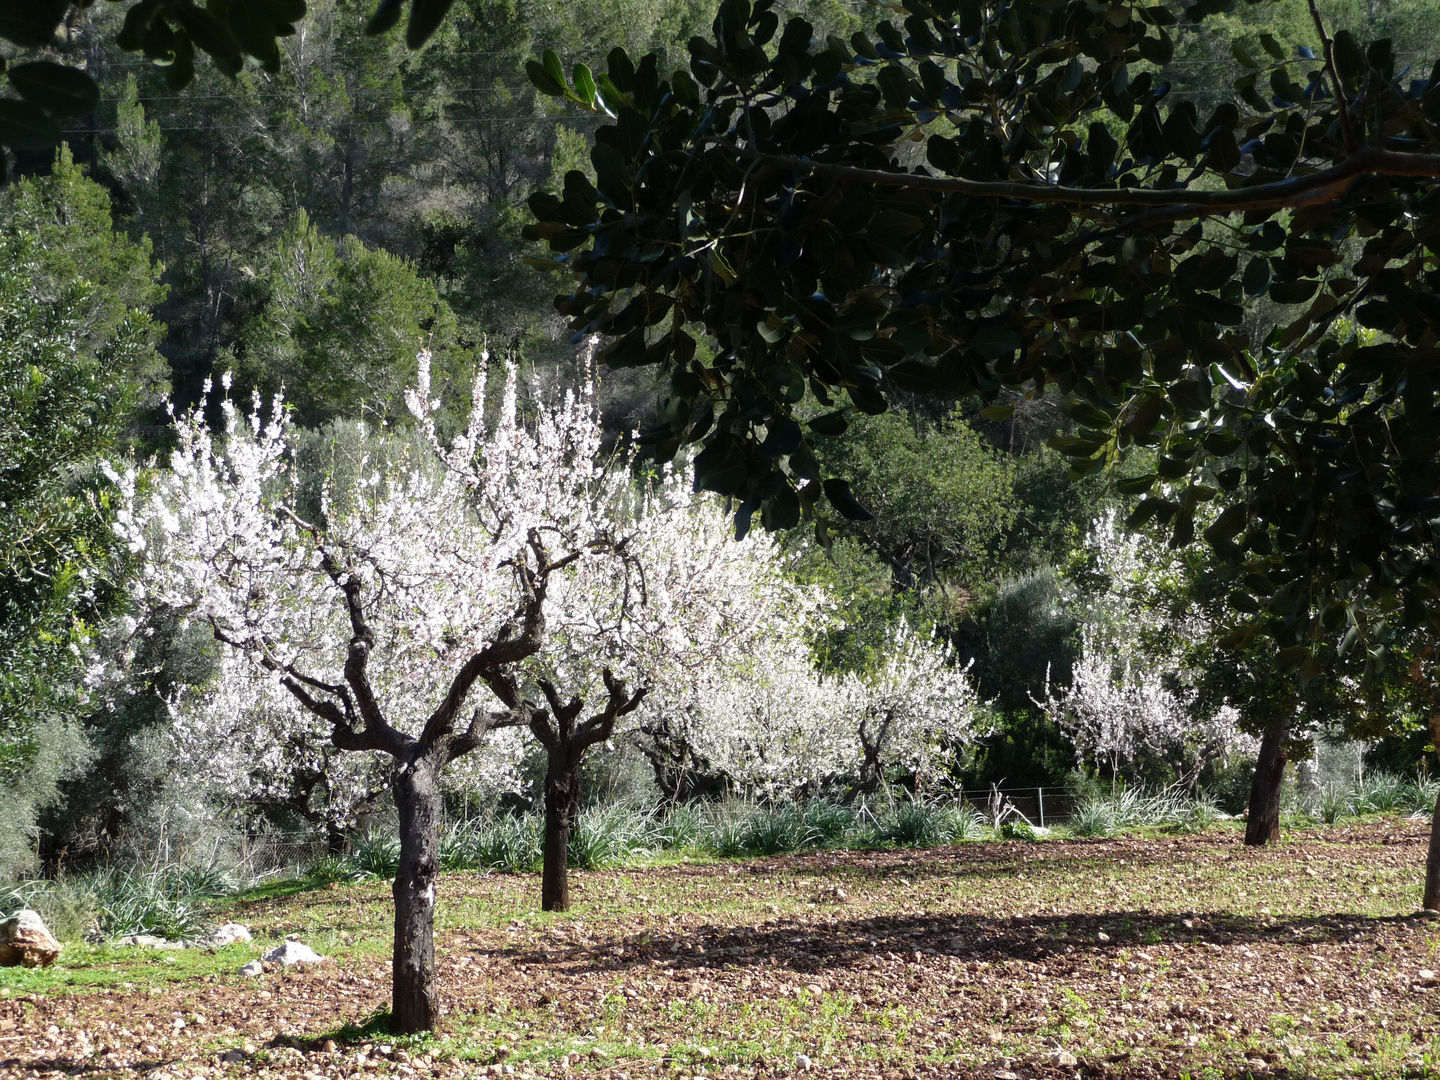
(315, 230)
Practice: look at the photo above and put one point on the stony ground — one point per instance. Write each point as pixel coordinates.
(1160, 957)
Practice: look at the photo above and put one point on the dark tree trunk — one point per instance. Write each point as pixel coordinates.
(562, 796)
(416, 997)
(1264, 819)
(337, 840)
(1432, 858)
(1432, 864)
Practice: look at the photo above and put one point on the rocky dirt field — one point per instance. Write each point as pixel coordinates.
(1157, 957)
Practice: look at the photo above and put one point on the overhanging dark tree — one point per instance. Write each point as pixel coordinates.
(997, 196)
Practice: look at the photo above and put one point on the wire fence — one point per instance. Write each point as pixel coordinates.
(1038, 805)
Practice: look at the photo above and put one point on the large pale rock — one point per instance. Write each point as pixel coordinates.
(290, 953)
(26, 941)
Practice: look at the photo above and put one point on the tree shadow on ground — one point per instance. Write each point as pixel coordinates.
(828, 940)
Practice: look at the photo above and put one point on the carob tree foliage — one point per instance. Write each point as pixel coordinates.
(996, 194)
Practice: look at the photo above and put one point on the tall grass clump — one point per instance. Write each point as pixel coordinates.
(169, 902)
(603, 836)
(922, 823)
(1106, 813)
(376, 856)
(1378, 793)
(680, 827)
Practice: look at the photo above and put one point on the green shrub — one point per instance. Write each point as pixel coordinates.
(1093, 817)
(776, 830)
(828, 820)
(376, 856)
(1019, 829)
(511, 843)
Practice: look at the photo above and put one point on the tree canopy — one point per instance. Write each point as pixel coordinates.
(998, 195)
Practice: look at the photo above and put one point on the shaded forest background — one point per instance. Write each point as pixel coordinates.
(316, 228)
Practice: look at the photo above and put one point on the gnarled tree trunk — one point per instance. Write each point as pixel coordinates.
(562, 796)
(1264, 820)
(416, 997)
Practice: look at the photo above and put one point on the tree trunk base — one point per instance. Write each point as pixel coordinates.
(1263, 823)
(1432, 864)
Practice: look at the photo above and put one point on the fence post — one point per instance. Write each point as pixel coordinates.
(1041, 792)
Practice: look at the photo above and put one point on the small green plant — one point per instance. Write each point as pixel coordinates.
(775, 830)
(1019, 829)
(510, 843)
(678, 828)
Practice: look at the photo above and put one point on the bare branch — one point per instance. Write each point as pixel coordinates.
(602, 725)
(1328, 44)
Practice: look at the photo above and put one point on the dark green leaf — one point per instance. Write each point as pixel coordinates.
(542, 80)
(55, 88)
(425, 18)
(994, 341)
(210, 35)
(387, 14)
(24, 127)
(720, 468)
(584, 84)
(1135, 485)
(31, 23)
(254, 28)
(551, 62)
(830, 424)
(844, 501)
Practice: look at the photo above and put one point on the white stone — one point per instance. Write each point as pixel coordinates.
(802, 1062)
(291, 953)
(254, 967)
(221, 936)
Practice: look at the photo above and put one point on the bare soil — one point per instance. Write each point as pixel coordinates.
(1154, 957)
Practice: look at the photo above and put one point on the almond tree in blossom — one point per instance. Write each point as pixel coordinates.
(380, 614)
(1132, 696)
(773, 726)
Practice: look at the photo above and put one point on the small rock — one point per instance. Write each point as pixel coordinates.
(291, 953)
(1102, 936)
(253, 968)
(229, 1057)
(25, 941)
(802, 1062)
(221, 936)
(1427, 976)
(1064, 1059)
(328, 1046)
(142, 941)
(1006, 1074)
